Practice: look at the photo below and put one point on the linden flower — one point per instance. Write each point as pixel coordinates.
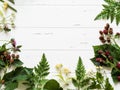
(99, 68)
(66, 71)
(5, 6)
(58, 66)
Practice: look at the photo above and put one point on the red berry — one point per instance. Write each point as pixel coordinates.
(103, 41)
(105, 32)
(101, 32)
(118, 65)
(118, 77)
(107, 25)
(108, 39)
(106, 28)
(17, 56)
(8, 57)
(101, 37)
(111, 31)
(100, 52)
(110, 57)
(99, 59)
(11, 60)
(107, 53)
(13, 55)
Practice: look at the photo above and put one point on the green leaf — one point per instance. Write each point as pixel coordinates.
(74, 81)
(20, 78)
(99, 77)
(110, 11)
(18, 74)
(40, 73)
(80, 70)
(108, 86)
(114, 73)
(52, 85)
(19, 46)
(11, 86)
(2, 63)
(86, 82)
(17, 63)
(12, 1)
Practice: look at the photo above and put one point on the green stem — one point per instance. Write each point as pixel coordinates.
(115, 43)
(79, 85)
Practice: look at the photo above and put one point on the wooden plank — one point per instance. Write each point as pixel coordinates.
(58, 2)
(55, 39)
(58, 16)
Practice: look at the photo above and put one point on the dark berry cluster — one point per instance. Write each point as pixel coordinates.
(7, 57)
(105, 35)
(7, 54)
(103, 55)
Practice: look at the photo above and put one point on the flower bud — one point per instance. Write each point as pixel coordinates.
(105, 32)
(118, 65)
(101, 32)
(110, 31)
(118, 77)
(17, 56)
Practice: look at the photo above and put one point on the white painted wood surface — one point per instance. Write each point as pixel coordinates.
(62, 29)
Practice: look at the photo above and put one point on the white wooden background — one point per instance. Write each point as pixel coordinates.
(62, 29)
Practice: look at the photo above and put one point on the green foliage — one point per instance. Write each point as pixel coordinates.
(108, 54)
(114, 52)
(80, 71)
(52, 85)
(40, 72)
(80, 74)
(84, 81)
(108, 86)
(114, 73)
(111, 11)
(14, 77)
(8, 55)
(99, 82)
(42, 68)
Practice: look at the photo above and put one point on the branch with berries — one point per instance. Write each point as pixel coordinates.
(9, 58)
(108, 53)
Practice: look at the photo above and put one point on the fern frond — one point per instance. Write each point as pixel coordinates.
(80, 70)
(110, 11)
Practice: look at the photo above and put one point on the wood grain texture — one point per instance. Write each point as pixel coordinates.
(62, 29)
(59, 2)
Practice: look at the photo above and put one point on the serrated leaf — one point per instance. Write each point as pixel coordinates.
(11, 86)
(17, 63)
(108, 86)
(80, 70)
(20, 78)
(99, 77)
(74, 81)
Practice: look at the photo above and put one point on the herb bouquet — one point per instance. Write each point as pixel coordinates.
(108, 53)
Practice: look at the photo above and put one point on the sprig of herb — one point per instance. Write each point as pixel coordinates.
(110, 11)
